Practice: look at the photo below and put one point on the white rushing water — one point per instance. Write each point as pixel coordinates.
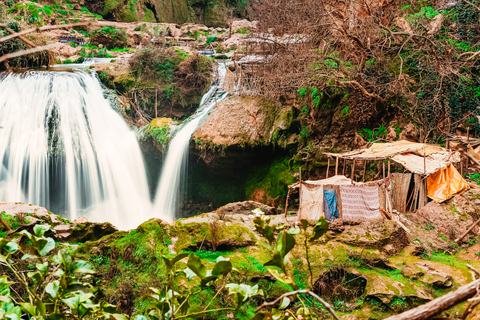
(63, 147)
(175, 163)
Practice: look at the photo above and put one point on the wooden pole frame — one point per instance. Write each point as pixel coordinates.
(328, 166)
(336, 166)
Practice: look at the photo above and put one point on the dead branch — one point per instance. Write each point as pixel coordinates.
(469, 229)
(477, 7)
(437, 306)
(39, 29)
(294, 293)
(25, 52)
(365, 92)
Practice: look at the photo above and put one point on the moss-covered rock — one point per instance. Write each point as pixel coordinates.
(380, 234)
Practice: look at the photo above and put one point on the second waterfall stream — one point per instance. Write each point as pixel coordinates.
(175, 163)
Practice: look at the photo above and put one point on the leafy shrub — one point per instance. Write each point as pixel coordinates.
(14, 25)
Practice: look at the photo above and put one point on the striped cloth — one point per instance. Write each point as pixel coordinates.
(360, 202)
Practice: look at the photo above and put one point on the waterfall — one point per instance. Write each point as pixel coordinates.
(63, 147)
(177, 153)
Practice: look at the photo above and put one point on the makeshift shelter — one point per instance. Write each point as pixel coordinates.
(338, 197)
(428, 163)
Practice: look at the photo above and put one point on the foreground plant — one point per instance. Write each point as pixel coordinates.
(280, 247)
(55, 287)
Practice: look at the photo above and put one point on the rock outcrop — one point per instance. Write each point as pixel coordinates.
(246, 120)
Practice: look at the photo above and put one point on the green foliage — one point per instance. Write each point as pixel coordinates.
(55, 288)
(442, 236)
(371, 135)
(14, 25)
(425, 12)
(315, 96)
(302, 92)
(210, 40)
(274, 178)
(344, 112)
(475, 177)
(429, 226)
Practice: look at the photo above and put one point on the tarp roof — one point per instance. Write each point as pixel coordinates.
(419, 158)
(335, 180)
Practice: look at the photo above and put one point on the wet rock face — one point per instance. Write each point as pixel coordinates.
(379, 234)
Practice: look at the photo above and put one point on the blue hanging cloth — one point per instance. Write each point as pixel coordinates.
(330, 204)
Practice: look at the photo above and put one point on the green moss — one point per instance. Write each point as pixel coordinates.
(273, 178)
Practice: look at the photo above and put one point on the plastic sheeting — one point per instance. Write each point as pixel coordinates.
(445, 183)
(335, 180)
(330, 204)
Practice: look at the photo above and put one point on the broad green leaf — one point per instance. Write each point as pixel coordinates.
(207, 279)
(222, 268)
(52, 288)
(140, 317)
(81, 266)
(28, 308)
(285, 302)
(118, 316)
(47, 245)
(11, 247)
(277, 261)
(269, 233)
(320, 229)
(179, 257)
(41, 310)
(293, 231)
(195, 264)
(27, 256)
(189, 273)
(168, 263)
(280, 277)
(35, 276)
(42, 267)
(285, 243)
(304, 223)
(25, 233)
(40, 229)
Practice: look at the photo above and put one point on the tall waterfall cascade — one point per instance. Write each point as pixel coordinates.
(175, 164)
(62, 146)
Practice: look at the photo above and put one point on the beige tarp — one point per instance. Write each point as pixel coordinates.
(445, 183)
(335, 180)
(419, 158)
(379, 151)
(426, 165)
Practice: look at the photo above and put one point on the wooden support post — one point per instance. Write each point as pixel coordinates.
(386, 193)
(353, 172)
(364, 169)
(156, 102)
(388, 175)
(336, 167)
(328, 166)
(286, 202)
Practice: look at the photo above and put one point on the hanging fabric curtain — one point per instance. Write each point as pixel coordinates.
(330, 204)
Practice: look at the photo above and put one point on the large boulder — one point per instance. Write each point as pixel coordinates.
(245, 208)
(82, 230)
(218, 235)
(250, 120)
(395, 294)
(381, 234)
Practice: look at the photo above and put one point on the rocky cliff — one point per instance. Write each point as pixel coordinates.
(213, 13)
